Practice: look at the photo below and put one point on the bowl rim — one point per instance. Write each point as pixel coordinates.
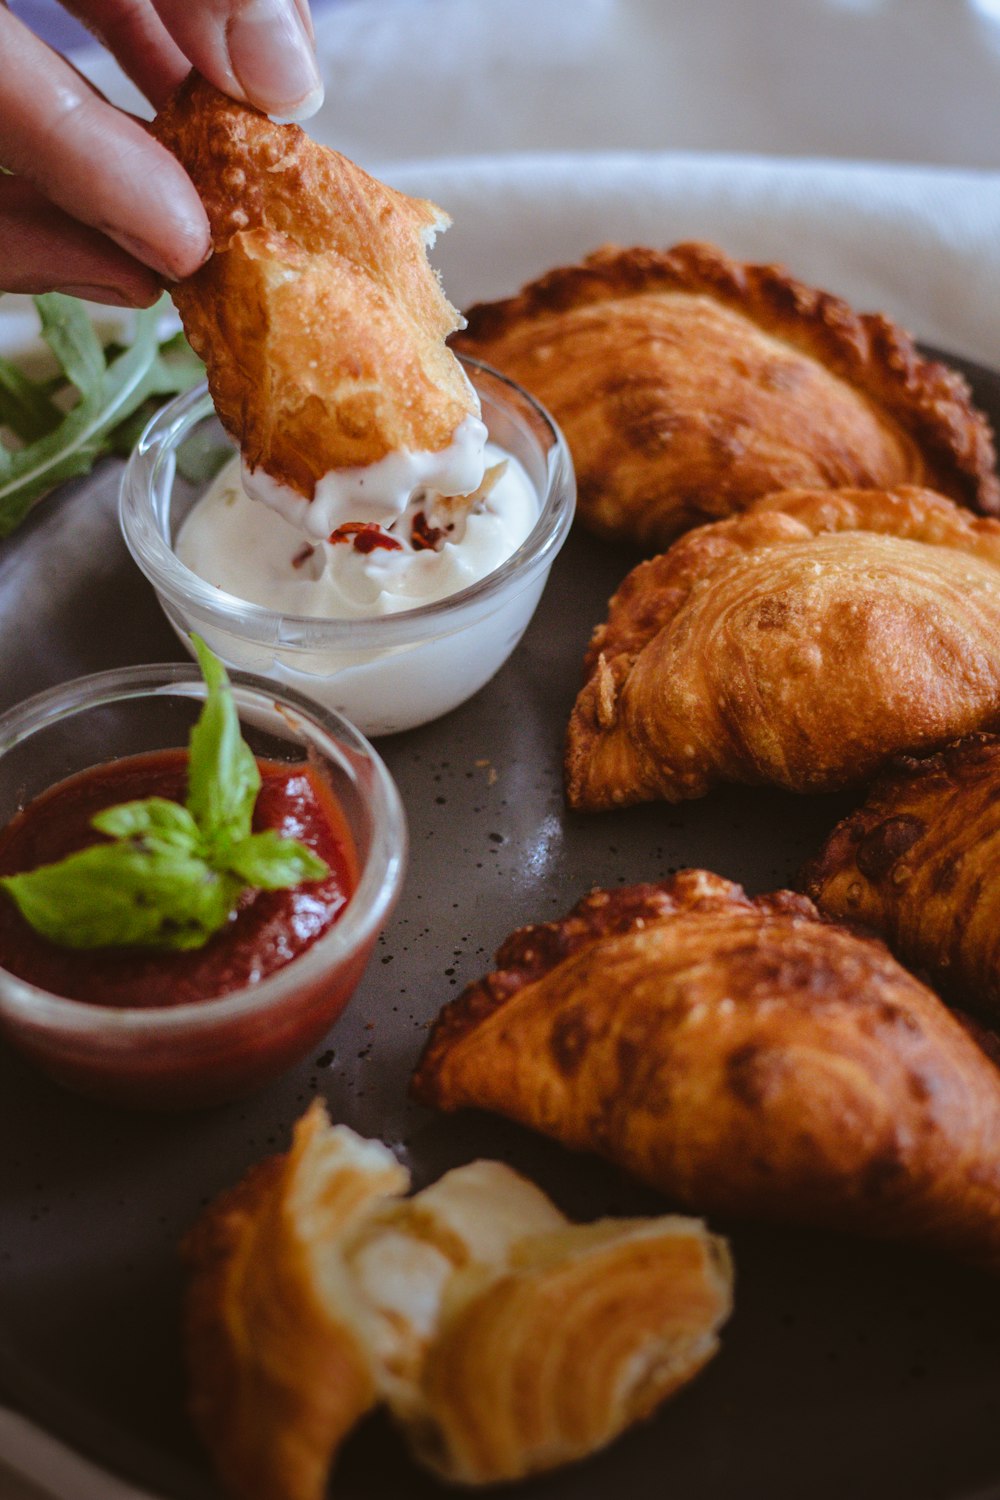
(379, 879)
(198, 600)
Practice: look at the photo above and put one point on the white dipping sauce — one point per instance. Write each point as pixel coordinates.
(379, 491)
(251, 550)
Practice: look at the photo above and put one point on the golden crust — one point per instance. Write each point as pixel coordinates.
(688, 384)
(489, 1299)
(315, 1289)
(803, 644)
(279, 1369)
(319, 319)
(920, 863)
(588, 1330)
(744, 1056)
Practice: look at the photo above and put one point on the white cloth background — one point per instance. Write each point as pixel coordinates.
(856, 140)
(894, 80)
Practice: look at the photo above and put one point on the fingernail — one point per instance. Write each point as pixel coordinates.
(273, 59)
(305, 16)
(111, 296)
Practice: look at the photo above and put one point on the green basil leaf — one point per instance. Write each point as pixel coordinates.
(223, 779)
(157, 820)
(271, 863)
(123, 895)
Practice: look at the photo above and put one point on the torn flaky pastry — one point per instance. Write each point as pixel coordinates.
(587, 1330)
(688, 383)
(741, 1055)
(406, 1255)
(316, 1288)
(278, 1351)
(801, 644)
(321, 323)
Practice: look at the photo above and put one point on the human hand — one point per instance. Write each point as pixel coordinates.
(94, 205)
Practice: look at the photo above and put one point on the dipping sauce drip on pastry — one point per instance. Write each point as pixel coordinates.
(321, 322)
(378, 493)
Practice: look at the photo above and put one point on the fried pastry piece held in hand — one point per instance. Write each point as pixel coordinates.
(920, 863)
(802, 645)
(319, 319)
(743, 1056)
(688, 384)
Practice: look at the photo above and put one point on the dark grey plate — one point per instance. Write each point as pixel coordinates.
(847, 1370)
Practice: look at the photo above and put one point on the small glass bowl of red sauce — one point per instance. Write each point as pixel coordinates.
(168, 1029)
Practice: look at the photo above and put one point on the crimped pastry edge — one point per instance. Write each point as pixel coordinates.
(533, 951)
(867, 350)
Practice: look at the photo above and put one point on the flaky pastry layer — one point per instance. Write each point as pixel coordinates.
(319, 319)
(278, 1356)
(315, 1288)
(689, 383)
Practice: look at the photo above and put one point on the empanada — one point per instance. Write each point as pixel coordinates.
(319, 319)
(502, 1338)
(688, 384)
(920, 863)
(801, 644)
(743, 1056)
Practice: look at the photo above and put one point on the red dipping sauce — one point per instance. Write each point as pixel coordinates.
(150, 1028)
(267, 931)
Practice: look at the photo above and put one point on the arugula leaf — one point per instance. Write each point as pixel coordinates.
(112, 386)
(72, 338)
(26, 406)
(175, 368)
(171, 875)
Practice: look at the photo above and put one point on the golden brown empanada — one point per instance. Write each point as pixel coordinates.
(801, 644)
(688, 384)
(502, 1338)
(920, 863)
(743, 1056)
(319, 319)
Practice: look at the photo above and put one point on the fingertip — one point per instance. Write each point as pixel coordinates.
(272, 56)
(183, 243)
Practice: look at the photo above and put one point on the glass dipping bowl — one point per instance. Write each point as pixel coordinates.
(385, 673)
(207, 1051)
